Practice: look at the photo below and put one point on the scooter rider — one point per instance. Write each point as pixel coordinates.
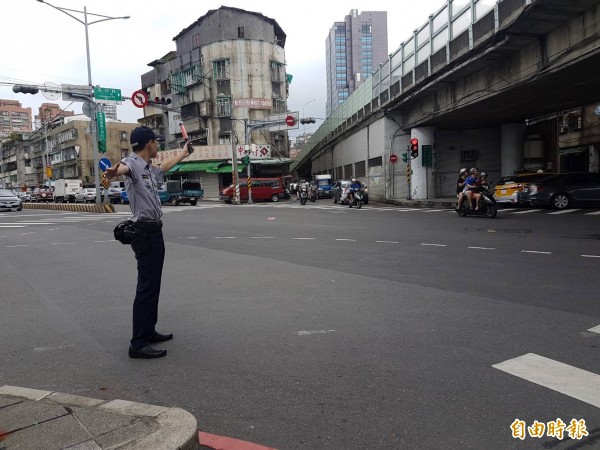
(355, 185)
(460, 187)
(471, 189)
(302, 184)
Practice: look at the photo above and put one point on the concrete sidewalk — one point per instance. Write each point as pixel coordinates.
(32, 419)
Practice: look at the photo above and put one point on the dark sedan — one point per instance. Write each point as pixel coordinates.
(565, 190)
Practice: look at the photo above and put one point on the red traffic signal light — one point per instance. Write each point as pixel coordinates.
(161, 101)
(414, 147)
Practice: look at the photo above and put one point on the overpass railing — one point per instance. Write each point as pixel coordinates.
(455, 29)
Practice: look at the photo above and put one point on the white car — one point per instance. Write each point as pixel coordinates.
(8, 200)
(87, 195)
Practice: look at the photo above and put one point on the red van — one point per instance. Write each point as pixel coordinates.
(262, 189)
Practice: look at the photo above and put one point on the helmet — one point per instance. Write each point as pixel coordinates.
(483, 174)
(354, 180)
(463, 170)
(473, 170)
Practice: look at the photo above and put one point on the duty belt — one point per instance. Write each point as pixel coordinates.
(146, 225)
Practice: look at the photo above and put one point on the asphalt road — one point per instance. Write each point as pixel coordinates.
(320, 326)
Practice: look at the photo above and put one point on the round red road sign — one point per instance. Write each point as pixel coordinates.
(290, 121)
(139, 99)
(393, 158)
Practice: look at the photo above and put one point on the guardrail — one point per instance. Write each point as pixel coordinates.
(104, 208)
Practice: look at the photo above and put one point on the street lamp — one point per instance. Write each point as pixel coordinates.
(313, 100)
(94, 124)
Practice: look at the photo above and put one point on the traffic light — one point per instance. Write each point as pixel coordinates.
(246, 160)
(404, 157)
(25, 89)
(307, 120)
(414, 147)
(161, 101)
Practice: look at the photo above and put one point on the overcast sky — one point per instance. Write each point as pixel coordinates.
(42, 44)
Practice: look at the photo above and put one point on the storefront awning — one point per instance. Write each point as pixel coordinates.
(195, 166)
(226, 168)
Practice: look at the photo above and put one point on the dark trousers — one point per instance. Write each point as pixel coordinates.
(145, 306)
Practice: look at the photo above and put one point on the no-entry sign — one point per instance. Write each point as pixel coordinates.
(290, 121)
(139, 99)
(393, 158)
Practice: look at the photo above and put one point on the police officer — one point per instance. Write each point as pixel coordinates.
(141, 183)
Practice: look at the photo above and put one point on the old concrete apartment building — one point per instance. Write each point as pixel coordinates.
(228, 69)
(13, 117)
(64, 146)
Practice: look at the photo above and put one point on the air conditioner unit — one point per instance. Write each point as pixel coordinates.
(571, 121)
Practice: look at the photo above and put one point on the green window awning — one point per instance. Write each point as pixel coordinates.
(195, 166)
(226, 168)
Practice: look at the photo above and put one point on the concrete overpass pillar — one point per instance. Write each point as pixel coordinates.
(422, 183)
(512, 147)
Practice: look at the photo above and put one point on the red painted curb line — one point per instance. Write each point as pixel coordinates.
(217, 442)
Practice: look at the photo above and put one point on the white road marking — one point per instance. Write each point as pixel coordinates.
(12, 226)
(26, 223)
(308, 332)
(63, 243)
(225, 237)
(559, 377)
(101, 242)
(28, 232)
(591, 256)
(53, 229)
(595, 213)
(536, 252)
(261, 237)
(351, 240)
(304, 239)
(387, 242)
(434, 245)
(595, 329)
(527, 211)
(434, 210)
(15, 246)
(482, 248)
(565, 211)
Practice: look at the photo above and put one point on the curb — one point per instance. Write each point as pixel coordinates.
(175, 428)
(103, 208)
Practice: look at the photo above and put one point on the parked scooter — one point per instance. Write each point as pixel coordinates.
(487, 207)
(303, 195)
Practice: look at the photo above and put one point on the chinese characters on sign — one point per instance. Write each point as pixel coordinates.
(253, 103)
(555, 428)
(254, 151)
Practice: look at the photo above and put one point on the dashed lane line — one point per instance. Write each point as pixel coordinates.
(536, 252)
(590, 256)
(564, 211)
(482, 248)
(433, 245)
(559, 377)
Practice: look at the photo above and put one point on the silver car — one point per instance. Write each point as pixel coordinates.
(8, 200)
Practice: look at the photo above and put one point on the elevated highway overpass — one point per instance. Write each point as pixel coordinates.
(505, 86)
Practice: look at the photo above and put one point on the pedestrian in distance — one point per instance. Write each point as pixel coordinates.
(142, 180)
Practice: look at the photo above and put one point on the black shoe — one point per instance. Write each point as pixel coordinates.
(161, 337)
(147, 352)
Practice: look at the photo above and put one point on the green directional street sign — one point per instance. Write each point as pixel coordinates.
(101, 120)
(107, 94)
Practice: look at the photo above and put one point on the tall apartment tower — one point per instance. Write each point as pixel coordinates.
(354, 47)
(13, 117)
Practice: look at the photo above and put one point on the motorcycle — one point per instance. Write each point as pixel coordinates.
(356, 198)
(487, 208)
(312, 195)
(303, 195)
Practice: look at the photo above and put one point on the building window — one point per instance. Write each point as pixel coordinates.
(123, 135)
(221, 69)
(240, 32)
(224, 106)
(279, 106)
(374, 162)
(276, 71)
(224, 138)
